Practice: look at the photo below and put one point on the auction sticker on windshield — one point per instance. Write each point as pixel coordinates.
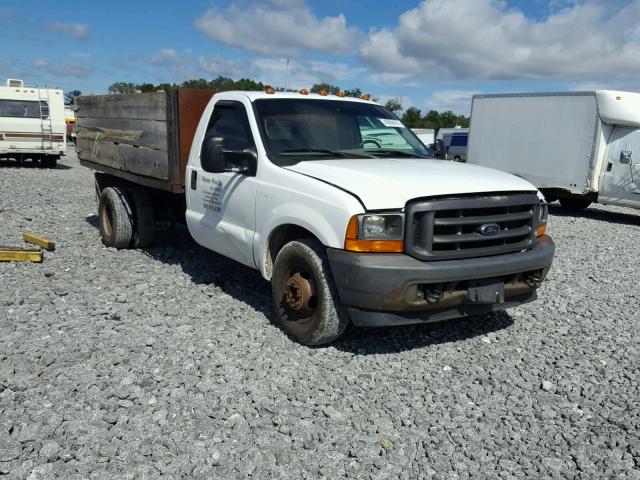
(391, 122)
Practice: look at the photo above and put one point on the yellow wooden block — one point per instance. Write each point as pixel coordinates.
(38, 240)
(13, 254)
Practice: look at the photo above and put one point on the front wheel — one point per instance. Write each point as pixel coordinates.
(304, 295)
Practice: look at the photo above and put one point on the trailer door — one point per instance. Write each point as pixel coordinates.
(621, 178)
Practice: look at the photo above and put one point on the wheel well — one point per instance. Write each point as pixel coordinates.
(278, 239)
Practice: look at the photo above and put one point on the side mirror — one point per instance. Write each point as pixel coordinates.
(212, 155)
(625, 157)
(241, 161)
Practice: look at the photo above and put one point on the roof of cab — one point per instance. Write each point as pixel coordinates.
(252, 96)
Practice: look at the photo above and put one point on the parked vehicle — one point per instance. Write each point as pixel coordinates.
(455, 146)
(426, 135)
(70, 120)
(578, 147)
(32, 123)
(290, 184)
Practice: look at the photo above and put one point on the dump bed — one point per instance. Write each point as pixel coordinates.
(141, 137)
(548, 139)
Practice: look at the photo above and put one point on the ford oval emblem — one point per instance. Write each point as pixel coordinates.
(489, 229)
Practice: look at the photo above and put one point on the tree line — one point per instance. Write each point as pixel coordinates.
(412, 117)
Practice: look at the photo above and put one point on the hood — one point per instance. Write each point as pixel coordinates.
(385, 183)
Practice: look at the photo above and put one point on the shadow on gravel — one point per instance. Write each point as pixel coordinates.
(30, 165)
(375, 341)
(176, 247)
(597, 214)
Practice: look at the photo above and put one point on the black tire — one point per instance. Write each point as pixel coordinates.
(457, 158)
(314, 318)
(574, 203)
(144, 224)
(49, 162)
(116, 227)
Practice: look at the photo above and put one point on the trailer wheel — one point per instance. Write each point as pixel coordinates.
(304, 295)
(144, 228)
(574, 203)
(116, 228)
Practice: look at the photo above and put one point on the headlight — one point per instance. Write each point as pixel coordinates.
(541, 218)
(375, 233)
(382, 227)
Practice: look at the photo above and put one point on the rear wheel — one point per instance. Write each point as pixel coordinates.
(49, 162)
(116, 227)
(304, 295)
(574, 203)
(144, 228)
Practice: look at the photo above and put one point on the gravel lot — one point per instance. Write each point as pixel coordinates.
(166, 362)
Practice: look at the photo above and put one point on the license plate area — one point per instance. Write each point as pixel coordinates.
(485, 291)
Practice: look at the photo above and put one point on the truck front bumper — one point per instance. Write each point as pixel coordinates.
(395, 289)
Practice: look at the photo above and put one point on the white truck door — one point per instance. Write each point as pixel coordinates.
(621, 178)
(221, 206)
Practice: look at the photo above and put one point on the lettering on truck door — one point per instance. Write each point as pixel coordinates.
(221, 214)
(621, 179)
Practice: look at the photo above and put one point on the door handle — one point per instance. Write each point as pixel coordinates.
(194, 180)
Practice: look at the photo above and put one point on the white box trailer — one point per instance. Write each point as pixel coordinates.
(32, 123)
(426, 135)
(578, 147)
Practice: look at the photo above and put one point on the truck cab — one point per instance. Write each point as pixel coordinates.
(351, 229)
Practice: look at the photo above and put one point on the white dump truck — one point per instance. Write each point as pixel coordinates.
(345, 229)
(578, 147)
(32, 123)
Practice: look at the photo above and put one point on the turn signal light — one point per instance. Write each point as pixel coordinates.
(353, 244)
(365, 97)
(541, 230)
(270, 90)
(323, 92)
(303, 91)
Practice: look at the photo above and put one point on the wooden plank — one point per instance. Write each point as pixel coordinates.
(14, 254)
(142, 106)
(138, 160)
(144, 133)
(38, 240)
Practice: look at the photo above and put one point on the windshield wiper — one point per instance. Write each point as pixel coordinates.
(390, 151)
(337, 153)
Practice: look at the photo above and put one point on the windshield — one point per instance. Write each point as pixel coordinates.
(295, 130)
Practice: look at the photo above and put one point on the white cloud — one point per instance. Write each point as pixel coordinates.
(485, 39)
(77, 31)
(277, 28)
(458, 101)
(274, 71)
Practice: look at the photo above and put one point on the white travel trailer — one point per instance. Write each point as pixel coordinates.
(578, 147)
(32, 123)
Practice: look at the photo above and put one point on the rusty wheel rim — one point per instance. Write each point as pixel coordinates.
(106, 220)
(299, 296)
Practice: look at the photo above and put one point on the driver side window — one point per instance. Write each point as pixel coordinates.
(229, 126)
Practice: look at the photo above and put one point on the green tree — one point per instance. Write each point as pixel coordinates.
(354, 92)
(70, 96)
(331, 89)
(394, 105)
(199, 83)
(448, 119)
(146, 87)
(412, 117)
(222, 84)
(122, 87)
(249, 85)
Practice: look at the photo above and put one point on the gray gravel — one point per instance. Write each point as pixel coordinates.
(166, 362)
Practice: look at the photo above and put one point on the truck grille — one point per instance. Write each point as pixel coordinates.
(449, 228)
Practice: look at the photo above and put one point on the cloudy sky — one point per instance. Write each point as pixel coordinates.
(431, 53)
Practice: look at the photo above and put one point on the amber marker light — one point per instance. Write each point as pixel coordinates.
(541, 230)
(303, 91)
(353, 244)
(270, 90)
(340, 94)
(323, 92)
(365, 97)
